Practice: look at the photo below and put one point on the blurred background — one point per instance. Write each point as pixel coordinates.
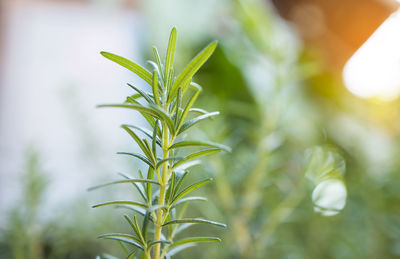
(309, 97)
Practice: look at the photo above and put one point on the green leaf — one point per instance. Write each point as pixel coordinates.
(154, 65)
(178, 106)
(150, 150)
(198, 110)
(143, 147)
(133, 97)
(196, 120)
(139, 156)
(191, 143)
(179, 181)
(194, 65)
(149, 186)
(137, 185)
(123, 248)
(132, 66)
(136, 229)
(131, 255)
(155, 88)
(154, 142)
(151, 110)
(169, 60)
(146, 219)
(194, 221)
(189, 190)
(120, 203)
(159, 242)
(187, 108)
(195, 240)
(145, 95)
(197, 155)
(158, 60)
(123, 181)
(137, 209)
(162, 161)
(129, 239)
(188, 199)
(156, 207)
(148, 117)
(145, 131)
(171, 187)
(195, 86)
(139, 233)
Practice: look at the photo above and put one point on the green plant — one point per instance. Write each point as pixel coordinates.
(169, 111)
(23, 235)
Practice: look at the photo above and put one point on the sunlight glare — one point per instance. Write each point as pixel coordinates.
(374, 70)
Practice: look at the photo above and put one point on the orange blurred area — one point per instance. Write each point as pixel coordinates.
(337, 28)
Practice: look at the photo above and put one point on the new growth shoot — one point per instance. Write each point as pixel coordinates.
(157, 218)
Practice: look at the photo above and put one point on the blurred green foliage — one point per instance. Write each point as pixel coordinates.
(283, 114)
(32, 233)
(23, 237)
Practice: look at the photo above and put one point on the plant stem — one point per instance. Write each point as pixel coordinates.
(163, 184)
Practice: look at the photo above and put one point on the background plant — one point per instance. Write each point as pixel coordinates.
(33, 232)
(168, 110)
(270, 122)
(278, 103)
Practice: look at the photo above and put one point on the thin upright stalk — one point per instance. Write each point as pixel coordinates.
(168, 117)
(163, 185)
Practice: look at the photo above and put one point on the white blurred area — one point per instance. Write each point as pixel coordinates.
(374, 70)
(329, 197)
(52, 77)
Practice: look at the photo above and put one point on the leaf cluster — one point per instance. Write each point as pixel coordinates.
(167, 106)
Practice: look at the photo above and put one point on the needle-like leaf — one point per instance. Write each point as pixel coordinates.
(123, 181)
(151, 110)
(196, 120)
(137, 185)
(139, 156)
(162, 161)
(159, 241)
(141, 144)
(196, 155)
(142, 93)
(132, 66)
(158, 60)
(129, 239)
(194, 143)
(187, 108)
(131, 255)
(189, 190)
(145, 131)
(120, 203)
(186, 75)
(155, 88)
(195, 221)
(169, 60)
(188, 199)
